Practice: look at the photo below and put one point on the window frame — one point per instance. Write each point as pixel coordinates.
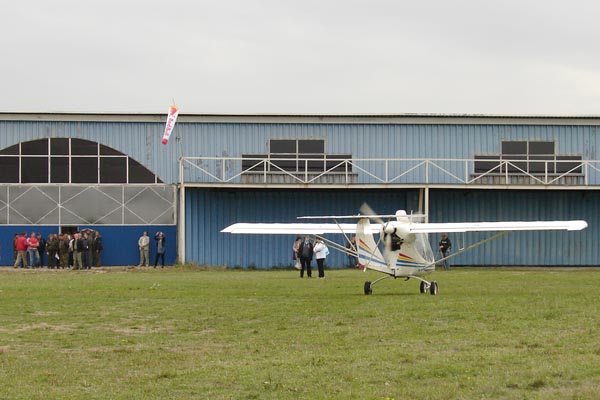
(56, 149)
(528, 162)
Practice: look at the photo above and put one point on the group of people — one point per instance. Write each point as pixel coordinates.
(81, 250)
(144, 247)
(303, 251)
(78, 251)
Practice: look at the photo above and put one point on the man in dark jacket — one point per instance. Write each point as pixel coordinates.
(305, 252)
(63, 250)
(41, 249)
(98, 247)
(52, 249)
(85, 252)
(445, 246)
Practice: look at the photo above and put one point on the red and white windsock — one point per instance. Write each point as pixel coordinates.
(171, 118)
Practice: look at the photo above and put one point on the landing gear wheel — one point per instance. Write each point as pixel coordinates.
(368, 289)
(433, 288)
(423, 287)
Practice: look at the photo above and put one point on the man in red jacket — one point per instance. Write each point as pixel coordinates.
(32, 250)
(21, 248)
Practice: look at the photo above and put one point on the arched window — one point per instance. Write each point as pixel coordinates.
(70, 160)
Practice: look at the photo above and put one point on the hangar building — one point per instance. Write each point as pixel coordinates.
(110, 172)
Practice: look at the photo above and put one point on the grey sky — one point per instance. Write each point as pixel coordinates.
(305, 56)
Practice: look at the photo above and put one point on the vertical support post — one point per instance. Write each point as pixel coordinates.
(386, 170)
(426, 190)
(265, 169)
(181, 224)
(306, 170)
(8, 205)
(346, 171)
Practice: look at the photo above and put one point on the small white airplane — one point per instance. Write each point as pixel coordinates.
(406, 249)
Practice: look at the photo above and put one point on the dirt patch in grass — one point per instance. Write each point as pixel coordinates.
(39, 326)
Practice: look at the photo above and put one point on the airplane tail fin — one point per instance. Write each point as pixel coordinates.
(368, 252)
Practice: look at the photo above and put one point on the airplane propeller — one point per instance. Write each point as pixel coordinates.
(365, 209)
(386, 230)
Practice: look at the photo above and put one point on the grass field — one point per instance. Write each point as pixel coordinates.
(187, 334)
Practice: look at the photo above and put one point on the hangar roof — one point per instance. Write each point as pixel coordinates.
(397, 119)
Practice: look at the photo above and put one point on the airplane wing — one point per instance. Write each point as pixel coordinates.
(294, 229)
(498, 226)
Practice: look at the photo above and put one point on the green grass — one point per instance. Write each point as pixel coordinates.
(181, 334)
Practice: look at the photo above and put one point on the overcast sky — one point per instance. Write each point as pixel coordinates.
(306, 56)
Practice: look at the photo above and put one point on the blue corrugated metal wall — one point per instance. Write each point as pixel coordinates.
(522, 248)
(142, 140)
(120, 242)
(209, 211)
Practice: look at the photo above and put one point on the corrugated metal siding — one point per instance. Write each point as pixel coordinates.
(141, 140)
(209, 211)
(522, 248)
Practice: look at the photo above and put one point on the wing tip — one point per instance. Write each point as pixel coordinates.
(578, 225)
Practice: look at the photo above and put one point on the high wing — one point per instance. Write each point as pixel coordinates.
(320, 229)
(497, 226)
(294, 228)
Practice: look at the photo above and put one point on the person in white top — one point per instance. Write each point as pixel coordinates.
(144, 245)
(321, 252)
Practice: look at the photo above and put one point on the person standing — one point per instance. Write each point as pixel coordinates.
(71, 258)
(52, 248)
(445, 246)
(85, 250)
(41, 249)
(98, 247)
(32, 250)
(351, 253)
(295, 255)
(160, 249)
(63, 250)
(77, 250)
(321, 252)
(89, 249)
(21, 249)
(15, 247)
(144, 245)
(305, 250)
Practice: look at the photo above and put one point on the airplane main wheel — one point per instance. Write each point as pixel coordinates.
(433, 288)
(423, 287)
(368, 289)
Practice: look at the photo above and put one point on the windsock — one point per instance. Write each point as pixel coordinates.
(171, 118)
